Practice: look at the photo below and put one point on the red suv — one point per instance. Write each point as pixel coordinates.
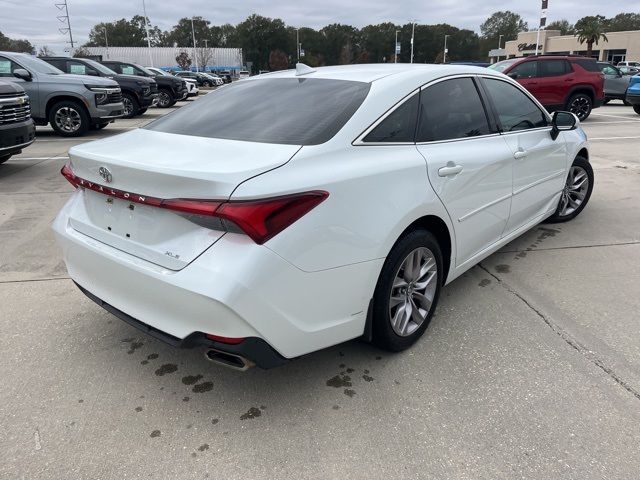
(564, 82)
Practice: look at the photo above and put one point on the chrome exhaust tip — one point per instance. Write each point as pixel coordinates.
(228, 360)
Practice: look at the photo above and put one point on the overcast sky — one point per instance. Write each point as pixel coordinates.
(36, 20)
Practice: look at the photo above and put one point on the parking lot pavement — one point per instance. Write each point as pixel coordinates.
(530, 368)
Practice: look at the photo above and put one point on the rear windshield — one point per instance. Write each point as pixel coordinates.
(588, 65)
(291, 111)
(502, 66)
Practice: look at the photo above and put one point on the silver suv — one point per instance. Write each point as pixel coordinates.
(70, 103)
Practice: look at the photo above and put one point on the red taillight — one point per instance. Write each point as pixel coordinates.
(227, 340)
(69, 175)
(263, 219)
(259, 219)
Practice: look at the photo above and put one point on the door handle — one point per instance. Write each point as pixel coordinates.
(449, 170)
(520, 154)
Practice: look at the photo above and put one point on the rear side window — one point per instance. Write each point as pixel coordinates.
(588, 65)
(399, 126)
(525, 70)
(515, 110)
(451, 109)
(290, 111)
(114, 66)
(553, 68)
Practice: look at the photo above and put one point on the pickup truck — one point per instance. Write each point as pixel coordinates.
(17, 130)
(71, 104)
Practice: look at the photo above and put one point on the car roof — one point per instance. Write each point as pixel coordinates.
(372, 72)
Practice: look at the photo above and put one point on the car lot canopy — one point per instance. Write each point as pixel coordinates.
(292, 111)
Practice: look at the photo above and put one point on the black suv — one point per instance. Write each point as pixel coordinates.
(170, 89)
(17, 130)
(138, 94)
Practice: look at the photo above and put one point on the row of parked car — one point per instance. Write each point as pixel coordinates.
(572, 82)
(74, 95)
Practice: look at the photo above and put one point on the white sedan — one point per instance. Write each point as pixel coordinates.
(330, 204)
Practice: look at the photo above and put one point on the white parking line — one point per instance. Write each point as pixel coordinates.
(42, 158)
(593, 124)
(612, 138)
(612, 116)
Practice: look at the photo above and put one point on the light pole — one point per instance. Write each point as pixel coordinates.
(146, 28)
(298, 44)
(413, 31)
(193, 35)
(106, 41)
(395, 59)
(444, 55)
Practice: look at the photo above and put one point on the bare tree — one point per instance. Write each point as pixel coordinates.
(203, 55)
(45, 52)
(183, 60)
(81, 53)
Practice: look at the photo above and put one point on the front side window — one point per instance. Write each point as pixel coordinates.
(399, 125)
(516, 111)
(525, 70)
(289, 111)
(7, 67)
(451, 109)
(77, 68)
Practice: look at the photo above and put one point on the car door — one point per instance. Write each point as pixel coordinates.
(526, 74)
(539, 162)
(555, 77)
(7, 67)
(468, 162)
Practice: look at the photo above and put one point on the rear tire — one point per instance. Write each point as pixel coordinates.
(142, 111)
(636, 108)
(407, 291)
(581, 105)
(68, 118)
(575, 194)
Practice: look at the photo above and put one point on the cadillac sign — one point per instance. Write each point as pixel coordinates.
(528, 46)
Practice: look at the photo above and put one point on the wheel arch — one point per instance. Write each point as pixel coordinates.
(61, 98)
(438, 227)
(586, 89)
(583, 153)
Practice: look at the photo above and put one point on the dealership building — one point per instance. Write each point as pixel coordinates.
(621, 46)
(217, 59)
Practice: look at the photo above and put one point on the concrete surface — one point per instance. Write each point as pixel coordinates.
(530, 368)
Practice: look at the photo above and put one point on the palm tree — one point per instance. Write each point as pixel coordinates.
(590, 30)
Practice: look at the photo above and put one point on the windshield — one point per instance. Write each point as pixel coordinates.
(99, 67)
(37, 65)
(502, 66)
(290, 111)
(145, 70)
(159, 72)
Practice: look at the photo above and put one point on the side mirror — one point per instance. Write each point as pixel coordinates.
(22, 74)
(563, 122)
(512, 75)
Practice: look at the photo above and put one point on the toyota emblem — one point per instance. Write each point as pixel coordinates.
(105, 174)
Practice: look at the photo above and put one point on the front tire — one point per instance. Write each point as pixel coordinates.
(576, 192)
(407, 291)
(581, 105)
(69, 119)
(636, 108)
(4, 158)
(131, 106)
(165, 98)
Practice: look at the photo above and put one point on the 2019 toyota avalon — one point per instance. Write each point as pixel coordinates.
(330, 204)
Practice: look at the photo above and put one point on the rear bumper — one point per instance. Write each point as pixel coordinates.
(234, 289)
(254, 349)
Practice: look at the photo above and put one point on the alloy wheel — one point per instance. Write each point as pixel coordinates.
(128, 106)
(164, 99)
(575, 191)
(413, 290)
(581, 106)
(68, 119)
